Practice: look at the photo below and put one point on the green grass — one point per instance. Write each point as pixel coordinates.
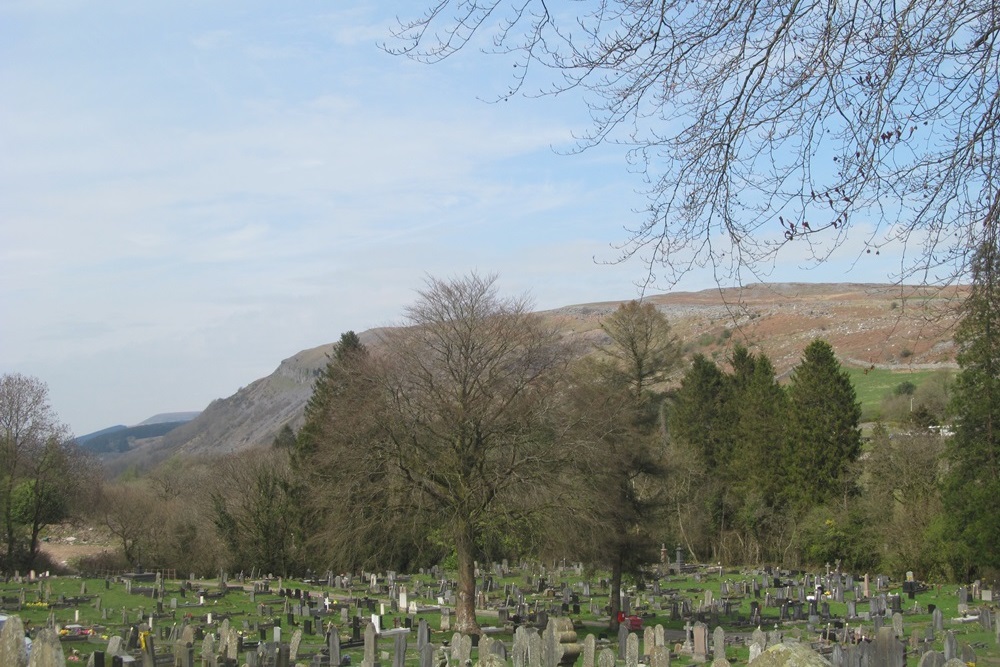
(872, 385)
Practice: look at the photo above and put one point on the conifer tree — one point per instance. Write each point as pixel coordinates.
(824, 421)
(972, 490)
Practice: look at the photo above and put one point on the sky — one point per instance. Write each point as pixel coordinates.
(191, 192)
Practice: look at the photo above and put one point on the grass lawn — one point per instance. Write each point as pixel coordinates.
(872, 385)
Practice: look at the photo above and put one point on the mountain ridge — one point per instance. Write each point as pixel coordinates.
(884, 326)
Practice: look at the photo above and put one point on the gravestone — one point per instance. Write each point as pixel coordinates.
(12, 649)
(897, 625)
(937, 619)
(461, 649)
(589, 651)
(426, 656)
(719, 648)
(889, 652)
(116, 646)
(399, 650)
(632, 650)
(369, 659)
(485, 646)
(931, 659)
(837, 656)
(423, 634)
(700, 640)
(333, 646)
(208, 645)
(534, 650)
(293, 645)
(519, 649)
(950, 646)
(606, 658)
(660, 657)
(45, 649)
(622, 640)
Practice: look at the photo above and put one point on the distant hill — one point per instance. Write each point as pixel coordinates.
(878, 326)
(170, 417)
(120, 439)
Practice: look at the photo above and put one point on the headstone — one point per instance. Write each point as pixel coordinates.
(12, 649)
(423, 634)
(632, 650)
(606, 658)
(46, 650)
(897, 625)
(369, 659)
(937, 620)
(535, 650)
(293, 645)
(426, 656)
(589, 651)
(719, 641)
(519, 649)
(660, 657)
(700, 640)
(399, 650)
(333, 645)
(622, 640)
(950, 646)
(461, 649)
(759, 638)
(931, 659)
(889, 652)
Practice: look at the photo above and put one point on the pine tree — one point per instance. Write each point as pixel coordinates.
(825, 433)
(972, 489)
(615, 418)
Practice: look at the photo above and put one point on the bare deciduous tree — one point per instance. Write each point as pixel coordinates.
(760, 124)
(27, 424)
(442, 427)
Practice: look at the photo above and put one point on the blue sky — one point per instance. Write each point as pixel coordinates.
(192, 192)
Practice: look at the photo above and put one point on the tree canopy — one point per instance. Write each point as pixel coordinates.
(761, 124)
(445, 427)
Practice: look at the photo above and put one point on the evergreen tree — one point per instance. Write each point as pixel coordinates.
(700, 440)
(757, 469)
(825, 433)
(697, 418)
(615, 422)
(972, 490)
(332, 381)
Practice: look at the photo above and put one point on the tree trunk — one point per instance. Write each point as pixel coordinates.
(465, 605)
(616, 592)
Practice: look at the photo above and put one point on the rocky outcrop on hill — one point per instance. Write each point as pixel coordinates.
(867, 325)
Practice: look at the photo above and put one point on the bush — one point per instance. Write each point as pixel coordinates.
(98, 564)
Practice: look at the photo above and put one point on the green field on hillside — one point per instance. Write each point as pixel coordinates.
(873, 384)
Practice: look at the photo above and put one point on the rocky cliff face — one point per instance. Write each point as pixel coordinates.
(867, 325)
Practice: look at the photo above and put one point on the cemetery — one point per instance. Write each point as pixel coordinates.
(532, 615)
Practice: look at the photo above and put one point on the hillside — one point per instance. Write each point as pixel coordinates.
(868, 326)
